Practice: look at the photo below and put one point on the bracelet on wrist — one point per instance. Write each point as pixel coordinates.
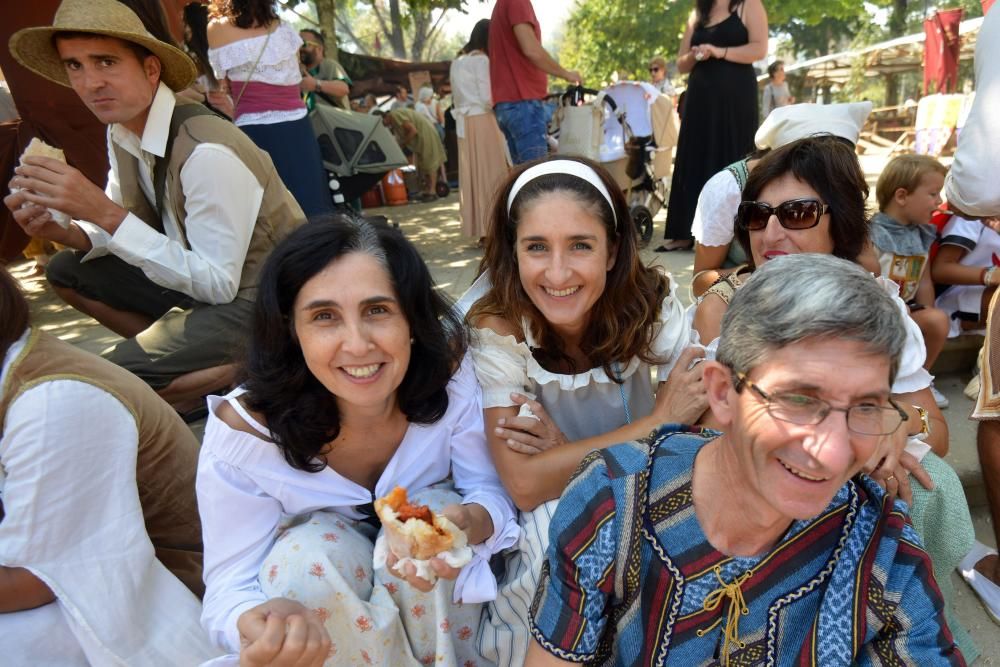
(725, 53)
(318, 87)
(987, 276)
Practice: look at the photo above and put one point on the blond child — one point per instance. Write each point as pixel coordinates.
(908, 192)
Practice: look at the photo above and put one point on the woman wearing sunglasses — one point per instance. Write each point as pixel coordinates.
(809, 197)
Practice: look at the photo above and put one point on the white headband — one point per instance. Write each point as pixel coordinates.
(568, 167)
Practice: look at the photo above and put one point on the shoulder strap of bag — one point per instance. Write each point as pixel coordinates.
(253, 69)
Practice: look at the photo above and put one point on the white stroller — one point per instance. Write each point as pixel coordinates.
(635, 143)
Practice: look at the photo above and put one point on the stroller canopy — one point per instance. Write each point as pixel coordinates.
(354, 143)
(647, 113)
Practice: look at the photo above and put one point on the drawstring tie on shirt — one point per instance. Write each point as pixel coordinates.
(737, 607)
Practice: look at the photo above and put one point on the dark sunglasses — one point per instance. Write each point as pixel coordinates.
(654, 69)
(792, 214)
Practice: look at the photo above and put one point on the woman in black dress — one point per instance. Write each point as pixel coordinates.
(719, 113)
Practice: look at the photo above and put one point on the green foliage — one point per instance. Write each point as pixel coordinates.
(602, 37)
(810, 12)
(406, 29)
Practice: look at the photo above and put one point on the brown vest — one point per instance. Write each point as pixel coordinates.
(279, 212)
(167, 456)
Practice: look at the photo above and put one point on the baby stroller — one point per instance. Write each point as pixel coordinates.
(356, 148)
(635, 144)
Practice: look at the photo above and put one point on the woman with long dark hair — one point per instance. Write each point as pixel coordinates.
(483, 161)
(207, 89)
(258, 54)
(354, 384)
(719, 114)
(567, 338)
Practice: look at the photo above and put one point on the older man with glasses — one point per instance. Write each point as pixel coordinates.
(765, 543)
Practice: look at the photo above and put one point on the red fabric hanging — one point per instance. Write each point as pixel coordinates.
(941, 51)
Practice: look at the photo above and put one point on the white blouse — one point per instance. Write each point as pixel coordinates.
(971, 185)
(247, 492)
(278, 66)
(583, 404)
(470, 88)
(717, 204)
(73, 519)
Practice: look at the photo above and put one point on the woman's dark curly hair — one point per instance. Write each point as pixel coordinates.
(621, 321)
(245, 14)
(829, 165)
(300, 412)
(14, 318)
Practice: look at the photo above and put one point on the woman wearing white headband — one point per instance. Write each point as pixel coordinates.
(566, 340)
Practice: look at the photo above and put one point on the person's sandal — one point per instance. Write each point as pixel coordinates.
(428, 197)
(987, 591)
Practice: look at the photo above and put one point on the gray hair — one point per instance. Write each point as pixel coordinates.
(365, 240)
(798, 297)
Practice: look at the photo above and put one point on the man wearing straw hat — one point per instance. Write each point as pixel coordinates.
(166, 256)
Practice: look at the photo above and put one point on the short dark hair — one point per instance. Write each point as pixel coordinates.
(317, 34)
(14, 308)
(140, 51)
(773, 67)
(829, 165)
(299, 411)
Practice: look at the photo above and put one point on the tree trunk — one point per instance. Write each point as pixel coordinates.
(897, 28)
(396, 36)
(897, 19)
(326, 14)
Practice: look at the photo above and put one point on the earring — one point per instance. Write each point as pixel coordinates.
(412, 341)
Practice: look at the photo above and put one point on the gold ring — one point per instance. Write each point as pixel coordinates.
(890, 477)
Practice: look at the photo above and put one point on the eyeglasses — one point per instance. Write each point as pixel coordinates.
(792, 214)
(654, 69)
(308, 44)
(863, 419)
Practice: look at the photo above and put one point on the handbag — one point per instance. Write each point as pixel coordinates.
(581, 128)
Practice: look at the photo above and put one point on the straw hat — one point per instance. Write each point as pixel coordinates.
(35, 49)
(798, 121)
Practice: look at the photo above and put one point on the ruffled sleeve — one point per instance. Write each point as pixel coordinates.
(277, 64)
(717, 204)
(501, 364)
(477, 480)
(911, 376)
(673, 333)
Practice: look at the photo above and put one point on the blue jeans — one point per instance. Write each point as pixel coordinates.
(524, 124)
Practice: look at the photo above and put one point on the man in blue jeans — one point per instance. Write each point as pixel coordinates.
(519, 67)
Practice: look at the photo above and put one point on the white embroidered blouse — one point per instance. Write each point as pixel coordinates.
(247, 491)
(582, 404)
(278, 65)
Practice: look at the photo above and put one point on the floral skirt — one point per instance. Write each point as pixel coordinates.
(374, 618)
